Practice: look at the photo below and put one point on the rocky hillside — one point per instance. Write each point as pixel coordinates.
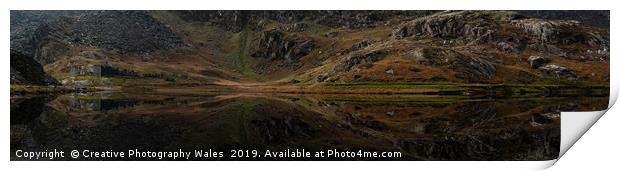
(23, 24)
(124, 32)
(598, 18)
(235, 21)
(481, 47)
(324, 47)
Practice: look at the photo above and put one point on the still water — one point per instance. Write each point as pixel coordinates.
(418, 127)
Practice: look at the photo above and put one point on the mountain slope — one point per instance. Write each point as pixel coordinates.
(316, 48)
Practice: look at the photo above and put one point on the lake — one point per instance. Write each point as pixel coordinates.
(417, 127)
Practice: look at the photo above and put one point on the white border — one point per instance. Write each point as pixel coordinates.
(279, 5)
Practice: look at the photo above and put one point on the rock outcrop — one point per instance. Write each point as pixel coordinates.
(549, 34)
(473, 26)
(274, 44)
(25, 70)
(546, 31)
(558, 71)
(509, 31)
(354, 60)
(467, 68)
(475, 70)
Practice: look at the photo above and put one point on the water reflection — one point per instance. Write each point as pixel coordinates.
(421, 127)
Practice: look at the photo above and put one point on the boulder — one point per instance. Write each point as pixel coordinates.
(331, 34)
(390, 71)
(558, 71)
(321, 78)
(537, 61)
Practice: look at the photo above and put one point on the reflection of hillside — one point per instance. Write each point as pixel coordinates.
(423, 128)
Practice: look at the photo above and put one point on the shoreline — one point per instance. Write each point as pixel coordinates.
(445, 89)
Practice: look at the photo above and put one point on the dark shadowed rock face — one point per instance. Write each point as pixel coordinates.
(25, 70)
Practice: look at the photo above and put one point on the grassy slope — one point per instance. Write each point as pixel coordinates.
(230, 51)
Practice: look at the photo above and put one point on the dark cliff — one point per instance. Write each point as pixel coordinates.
(25, 70)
